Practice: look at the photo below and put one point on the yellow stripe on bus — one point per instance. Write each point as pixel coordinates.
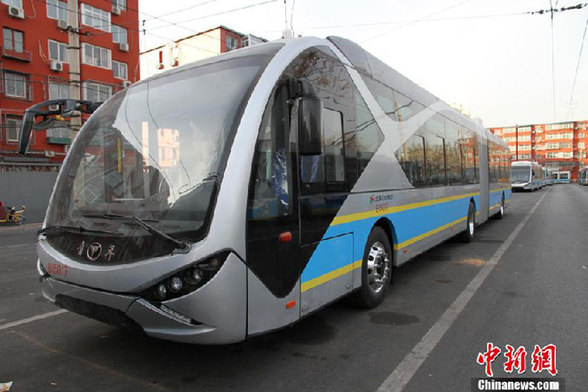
(428, 234)
(330, 276)
(390, 210)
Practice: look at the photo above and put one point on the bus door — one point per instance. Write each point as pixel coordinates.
(326, 252)
(273, 288)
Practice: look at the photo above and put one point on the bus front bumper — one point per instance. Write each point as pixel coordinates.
(213, 314)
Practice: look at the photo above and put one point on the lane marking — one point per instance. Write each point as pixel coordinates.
(17, 246)
(31, 319)
(404, 372)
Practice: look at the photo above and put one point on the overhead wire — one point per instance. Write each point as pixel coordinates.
(570, 112)
(552, 59)
(416, 20)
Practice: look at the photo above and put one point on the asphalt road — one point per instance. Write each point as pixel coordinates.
(535, 295)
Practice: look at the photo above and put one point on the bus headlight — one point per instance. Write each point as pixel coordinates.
(186, 280)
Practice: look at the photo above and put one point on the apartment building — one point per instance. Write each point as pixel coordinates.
(35, 57)
(557, 146)
(192, 48)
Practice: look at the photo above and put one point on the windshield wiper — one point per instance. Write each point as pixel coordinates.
(181, 246)
(80, 229)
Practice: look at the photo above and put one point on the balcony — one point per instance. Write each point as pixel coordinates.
(25, 55)
(58, 136)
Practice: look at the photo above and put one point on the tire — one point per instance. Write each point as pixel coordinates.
(468, 234)
(376, 270)
(500, 213)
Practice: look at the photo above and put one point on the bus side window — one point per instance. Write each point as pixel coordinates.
(411, 156)
(326, 172)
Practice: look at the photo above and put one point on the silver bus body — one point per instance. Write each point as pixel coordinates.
(250, 287)
(527, 175)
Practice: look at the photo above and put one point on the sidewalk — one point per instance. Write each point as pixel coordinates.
(10, 227)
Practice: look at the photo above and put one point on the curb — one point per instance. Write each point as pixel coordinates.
(25, 227)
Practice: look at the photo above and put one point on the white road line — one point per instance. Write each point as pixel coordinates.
(31, 319)
(404, 372)
(17, 246)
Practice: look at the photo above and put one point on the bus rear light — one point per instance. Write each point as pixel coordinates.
(185, 281)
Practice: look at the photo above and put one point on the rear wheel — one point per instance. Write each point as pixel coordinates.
(468, 234)
(376, 270)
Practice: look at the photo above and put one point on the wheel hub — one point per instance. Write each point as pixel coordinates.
(378, 267)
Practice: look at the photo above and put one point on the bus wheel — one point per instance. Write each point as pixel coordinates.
(376, 270)
(468, 234)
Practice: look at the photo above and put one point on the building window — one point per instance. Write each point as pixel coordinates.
(119, 34)
(13, 40)
(120, 70)
(12, 125)
(58, 51)
(96, 18)
(57, 10)
(120, 4)
(13, 3)
(16, 85)
(97, 56)
(58, 90)
(230, 43)
(96, 92)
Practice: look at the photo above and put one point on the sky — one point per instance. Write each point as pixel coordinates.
(488, 56)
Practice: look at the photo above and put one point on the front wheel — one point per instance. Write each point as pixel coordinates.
(468, 234)
(376, 270)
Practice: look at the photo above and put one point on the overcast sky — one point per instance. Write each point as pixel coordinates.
(485, 55)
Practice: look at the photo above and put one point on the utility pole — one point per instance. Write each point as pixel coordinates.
(73, 57)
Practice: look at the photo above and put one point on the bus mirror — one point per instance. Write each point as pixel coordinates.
(310, 126)
(25, 132)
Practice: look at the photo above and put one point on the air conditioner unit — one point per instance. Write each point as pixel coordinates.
(123, 47)
(53, 108)
(56, 66)
(116, 10)
(160, 66)
(49, 153)
(174, 62)
(16, 12)
(126, 83)
(61, 24)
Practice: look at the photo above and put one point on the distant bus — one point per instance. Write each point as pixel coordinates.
(236, 195)
(583, 176)
(547, 176)
(526, 175)
(562, 177)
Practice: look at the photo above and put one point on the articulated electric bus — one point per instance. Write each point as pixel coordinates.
(583, 176)
(527, 175)
(238, 194)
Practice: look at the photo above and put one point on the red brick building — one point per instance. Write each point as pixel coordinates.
(557, 146)
(35, 64)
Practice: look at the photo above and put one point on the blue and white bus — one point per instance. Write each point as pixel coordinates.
(236, 195)
(562, 177)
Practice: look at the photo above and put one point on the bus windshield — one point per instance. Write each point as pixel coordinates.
(521, 174)
(155, 151)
